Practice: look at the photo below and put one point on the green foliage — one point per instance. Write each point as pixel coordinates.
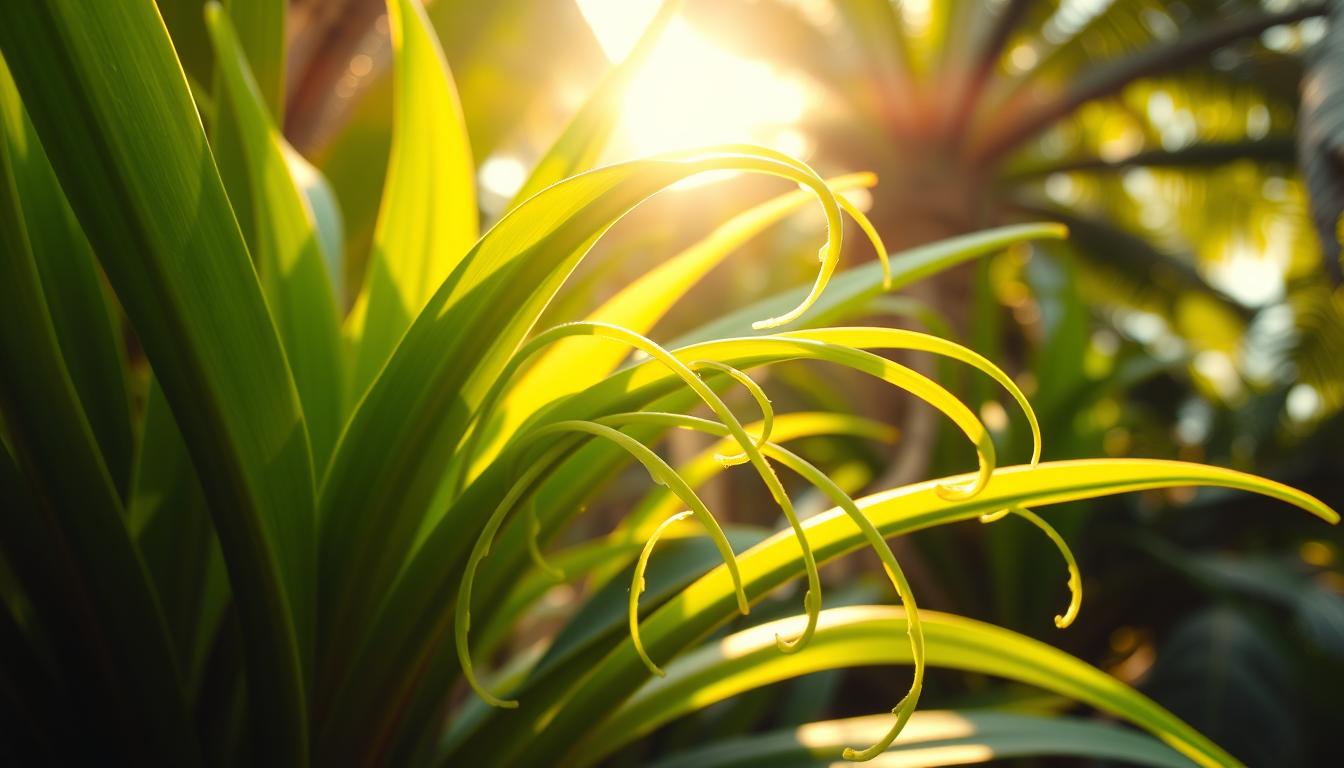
(265, 556)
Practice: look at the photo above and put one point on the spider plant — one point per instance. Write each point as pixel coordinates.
(272, 531)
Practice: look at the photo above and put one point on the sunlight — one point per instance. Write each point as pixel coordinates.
(1254, 278)
(924, 726)
(691, 92)
(502, 175)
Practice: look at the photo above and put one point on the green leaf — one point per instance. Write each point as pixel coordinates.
(1225, 676)
(849, 291)
(327, 216)
(285, 244)
(864, 636)
(658, 504)
(560, 714)
(171, 522)
(429, 579)
(575, 562)
(936, 738)
(70, 547)
(680, 561)
(87, 326)
(112, 108)
(392, 454)
(260, 26)
(572, 365)
(428, 218)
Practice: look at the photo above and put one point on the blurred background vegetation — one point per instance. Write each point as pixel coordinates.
(1194, 148)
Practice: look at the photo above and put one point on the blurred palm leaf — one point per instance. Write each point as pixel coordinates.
(1321, 138)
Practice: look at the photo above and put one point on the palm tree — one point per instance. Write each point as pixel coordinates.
(1162, 133)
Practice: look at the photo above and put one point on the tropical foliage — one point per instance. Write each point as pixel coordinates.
(278, 491)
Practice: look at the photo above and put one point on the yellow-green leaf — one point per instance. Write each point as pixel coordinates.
(87, 327)
(428, 216)
(285, 244)
(573, 365)
(936, 738)
(709, 602)
(864, 636)
(112, 108)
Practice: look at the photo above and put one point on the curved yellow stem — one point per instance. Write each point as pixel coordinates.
(762, 402)
(637, 588)
(1075, 575)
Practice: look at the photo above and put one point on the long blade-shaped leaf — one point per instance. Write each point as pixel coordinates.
(428, 216)
(261, 33)
(171, 521)
(865, 636)
(571, 365)
(85, 326)
(849, 291)
(429, 579)
(260, 26)
(392, 455)
(936, 738)
(71, 547)
(848, 295)
(112, 108)
(285, 244)
(658, 504)
(709, 602)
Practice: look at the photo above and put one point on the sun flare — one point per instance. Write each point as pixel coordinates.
(692, 92)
